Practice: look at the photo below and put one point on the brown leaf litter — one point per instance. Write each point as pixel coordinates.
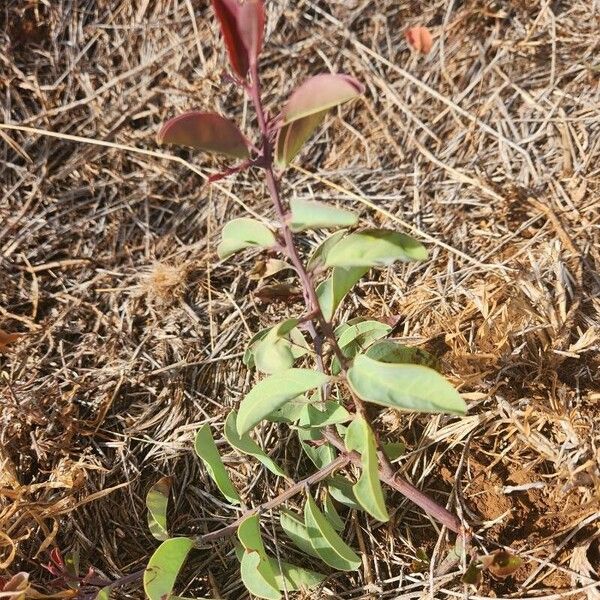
(486, 149)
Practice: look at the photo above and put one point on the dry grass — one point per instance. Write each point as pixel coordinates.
(133, 330)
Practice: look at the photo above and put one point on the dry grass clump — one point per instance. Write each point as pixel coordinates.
(164, 283)
(486, 149)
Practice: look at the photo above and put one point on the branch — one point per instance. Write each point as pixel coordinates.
(386, 471)
(341, 461)
(395, 481)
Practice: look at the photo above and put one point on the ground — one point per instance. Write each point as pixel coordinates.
(487, 150)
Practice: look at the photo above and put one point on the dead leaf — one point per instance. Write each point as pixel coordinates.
(16, 587)
(583, 570)
(501, 564)
(7, 338)
(419, 39)
(472, 575)
(263, 269)
(280, 292)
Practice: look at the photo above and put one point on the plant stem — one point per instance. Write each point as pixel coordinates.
(386, 471)
(308, 288)
(388, 476)
(341, 461)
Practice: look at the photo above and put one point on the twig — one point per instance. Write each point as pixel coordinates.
(395, 481)
(341, 461)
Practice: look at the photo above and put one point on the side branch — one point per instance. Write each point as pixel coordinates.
(395, 481)
(341, 461)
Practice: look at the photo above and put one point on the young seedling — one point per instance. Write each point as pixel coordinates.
(318, 387)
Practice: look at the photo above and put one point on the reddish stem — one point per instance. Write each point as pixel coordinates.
(386, 472)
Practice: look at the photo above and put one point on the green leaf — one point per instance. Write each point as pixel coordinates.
(206, 449)
(332, 514)
(273, 355)
(473, 574)
(333, 290)
(325, 540)
(279, 348)
(104, 593)
(321, 455)
(310, 214)
(293, 578)
(244, 233)
(248, 533)
(393, 450)
(339, 330)
(331, 414)
(295, 343)
(295, 529)
(367, 489)
(156, 502)
(248, 358)
(361, 334)
(358, 337)
(256, 571)
(341, 429)
(320, 92)
(205, 131)
(258, 577)
(289, 577)
(72, 562)
(388, 351)
(306, 109)
(290, 412)
(404, 387)
(292, 136)
(341, 490)
(373, 248)
(244, 443)
(318, 257)
(273, 392)
(164, 566)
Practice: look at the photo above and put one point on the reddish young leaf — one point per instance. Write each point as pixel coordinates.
(419, 39)
(251, 26)
(205, 131)
(242, 26)
(320, 93)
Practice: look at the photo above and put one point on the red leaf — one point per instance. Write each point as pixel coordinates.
(419, 39)
(320, 93)
(242, 26)
(56, 558)
(251, 25)
(205, 131)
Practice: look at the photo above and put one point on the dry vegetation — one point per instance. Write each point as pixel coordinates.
(488, 149)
